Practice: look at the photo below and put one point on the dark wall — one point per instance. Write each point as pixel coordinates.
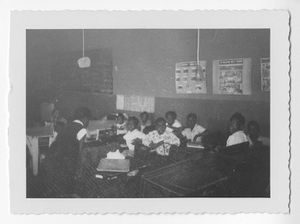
(144, 64)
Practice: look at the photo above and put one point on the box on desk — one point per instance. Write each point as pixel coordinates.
(183, 179)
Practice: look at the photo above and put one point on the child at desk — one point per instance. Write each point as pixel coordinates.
(253, 135)
(121, 125)
(63, 163)
(145, 121)
(161, 139)
(193, 131)
(132, 136)
(173, 125)
(56, 117)
(236, 126)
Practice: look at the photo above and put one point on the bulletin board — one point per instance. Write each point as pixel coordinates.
(98, 78)
(265, 74)
(232, 76)
(135, 103)
(190, 77)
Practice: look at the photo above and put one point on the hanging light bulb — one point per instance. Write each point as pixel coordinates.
(84, 62)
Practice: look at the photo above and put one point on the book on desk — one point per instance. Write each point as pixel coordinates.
(196, 145)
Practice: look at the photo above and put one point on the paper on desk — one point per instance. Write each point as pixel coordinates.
(115, 155)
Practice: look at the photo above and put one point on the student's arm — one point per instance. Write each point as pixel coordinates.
(204, 133)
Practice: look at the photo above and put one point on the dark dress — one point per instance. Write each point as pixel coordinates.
(61, 163)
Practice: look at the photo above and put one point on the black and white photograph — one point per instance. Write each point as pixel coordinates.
(172, 115)
(71, 78)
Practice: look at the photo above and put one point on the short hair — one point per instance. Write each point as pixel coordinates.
(192, 115)
(134, 120)
(239, 117)
(82, 112)
(253, 123)
(121, 115)
(144, 113)
(160, 119)
(172, 113)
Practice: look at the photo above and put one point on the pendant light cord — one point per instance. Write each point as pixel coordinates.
(198, 46)
(83, 42)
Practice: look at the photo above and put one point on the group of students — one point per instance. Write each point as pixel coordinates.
(168, 131)
(157, 137)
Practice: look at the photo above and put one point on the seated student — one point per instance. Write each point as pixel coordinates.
(132, 135)
(161, 139)
(145, 121)
(56, 117)
(57, 129)
(173, 125)
(236, 125)
(62, 166)
(253, 135)
(193, 131)
(121, 127)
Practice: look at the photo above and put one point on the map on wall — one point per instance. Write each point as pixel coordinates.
(190, 77)
(98, 78)
(265, 74)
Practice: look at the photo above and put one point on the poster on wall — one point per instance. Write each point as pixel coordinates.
(136, 103)
(232, 76)
(190, 77)
(265, 74)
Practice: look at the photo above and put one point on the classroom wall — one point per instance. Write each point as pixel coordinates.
(144, 64)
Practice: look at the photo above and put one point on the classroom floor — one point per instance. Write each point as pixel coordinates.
(36, 187)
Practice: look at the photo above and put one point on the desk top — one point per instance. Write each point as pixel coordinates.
(44, 131)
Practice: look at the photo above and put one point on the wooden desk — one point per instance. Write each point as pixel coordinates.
(32, 141)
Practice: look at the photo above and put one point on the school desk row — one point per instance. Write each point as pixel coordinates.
(235, 171)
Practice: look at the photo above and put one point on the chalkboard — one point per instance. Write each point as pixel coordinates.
(98, 78)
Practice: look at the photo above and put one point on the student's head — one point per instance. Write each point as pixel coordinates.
(144, 117)
(120, 118)
(59, 126)
(55, 113)
(160, 125)
(191, 120)
(237, 122)
(132, 123)
(253, 130)
(171, 117)
(83, 114)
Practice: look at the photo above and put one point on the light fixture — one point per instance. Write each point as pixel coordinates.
(84, 62)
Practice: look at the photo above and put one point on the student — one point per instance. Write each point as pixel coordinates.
(161, 139)
(253, 135)
(132, 135)
(63, 164)
(193, 131)
(145, 121)
(173, 125)
(56, 117)
(236, 125)
(58, 128)
(121, 127)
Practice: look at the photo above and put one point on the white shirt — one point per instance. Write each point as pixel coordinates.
(82, 132)
(168, 137)
(236, 138)
(176, 124)
(131, 135)
(121, 128)
(190, 134)
(264, 140)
